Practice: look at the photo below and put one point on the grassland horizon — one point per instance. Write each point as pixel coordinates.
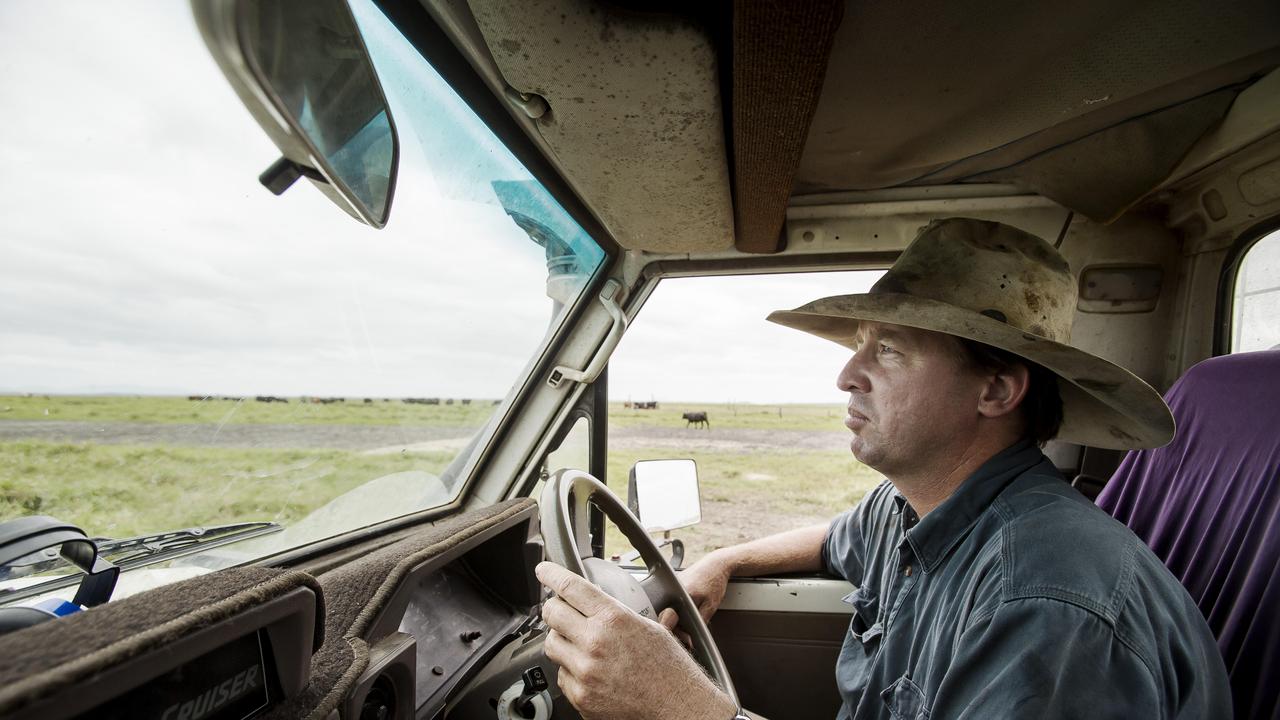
(386, 411)
(753, 475)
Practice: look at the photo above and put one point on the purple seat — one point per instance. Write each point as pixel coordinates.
(1208, 504)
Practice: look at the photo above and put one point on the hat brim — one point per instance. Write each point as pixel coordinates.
(1103, 405)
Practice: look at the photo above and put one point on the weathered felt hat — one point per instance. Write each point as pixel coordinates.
(998, 285)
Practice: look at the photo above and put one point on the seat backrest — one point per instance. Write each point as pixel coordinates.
(1208, 504)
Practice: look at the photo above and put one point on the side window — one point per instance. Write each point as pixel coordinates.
(773, 452)
(1255, 310)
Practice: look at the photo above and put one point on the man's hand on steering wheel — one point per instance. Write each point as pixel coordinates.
(707, 580)
(615, 663)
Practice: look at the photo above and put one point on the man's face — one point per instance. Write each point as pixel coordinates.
(911, 397)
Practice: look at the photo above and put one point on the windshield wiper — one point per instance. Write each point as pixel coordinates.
(141, 550)
(139, 546)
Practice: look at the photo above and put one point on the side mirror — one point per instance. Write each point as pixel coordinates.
(303, 71)
(663, 494)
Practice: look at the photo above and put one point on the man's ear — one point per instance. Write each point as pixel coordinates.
(1004, 391)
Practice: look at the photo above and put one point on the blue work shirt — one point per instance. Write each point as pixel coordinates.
(1015, 598)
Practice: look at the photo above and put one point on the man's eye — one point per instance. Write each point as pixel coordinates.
(886, 350)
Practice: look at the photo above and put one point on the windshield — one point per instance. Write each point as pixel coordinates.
(179, 348)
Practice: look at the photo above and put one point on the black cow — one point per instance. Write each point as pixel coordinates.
(697, 419)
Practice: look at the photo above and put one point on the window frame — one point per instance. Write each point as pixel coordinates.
(652, 275)
(1223, 324)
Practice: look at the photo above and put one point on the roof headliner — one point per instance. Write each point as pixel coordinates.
(936, 92)
(1091, 104)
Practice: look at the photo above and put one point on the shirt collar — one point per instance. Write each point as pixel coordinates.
(934, 535)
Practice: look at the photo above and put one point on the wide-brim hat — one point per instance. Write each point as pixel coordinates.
(1009, 289)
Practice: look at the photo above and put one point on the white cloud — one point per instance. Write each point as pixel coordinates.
(706, 339)
(141, 255)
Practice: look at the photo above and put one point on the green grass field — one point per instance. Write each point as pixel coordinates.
(126, 489)
(353, 411)
(121, 490)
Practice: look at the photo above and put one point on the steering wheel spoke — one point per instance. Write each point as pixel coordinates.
(656, 588)
(581, 526)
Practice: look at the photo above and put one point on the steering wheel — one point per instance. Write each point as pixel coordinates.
(564, 516)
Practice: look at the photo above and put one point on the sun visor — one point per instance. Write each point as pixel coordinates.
(630, 103)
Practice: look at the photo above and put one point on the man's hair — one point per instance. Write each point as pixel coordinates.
(1041, 407)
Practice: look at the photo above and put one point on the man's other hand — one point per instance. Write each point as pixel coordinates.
(706, 580)
(616, 664)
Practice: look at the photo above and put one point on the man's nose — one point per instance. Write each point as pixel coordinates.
(852, 377)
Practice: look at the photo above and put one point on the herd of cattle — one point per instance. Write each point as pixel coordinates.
(650, 405)
(698, 418)
(330, 400)
(691, 419)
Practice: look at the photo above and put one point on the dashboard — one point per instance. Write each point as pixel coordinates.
(454, 631)
(475, 652)
(441, 624)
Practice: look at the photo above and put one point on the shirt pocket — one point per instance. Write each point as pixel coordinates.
(865, 624)
(853, 668)
(905, 700)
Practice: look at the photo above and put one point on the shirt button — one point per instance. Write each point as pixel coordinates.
(907, 571)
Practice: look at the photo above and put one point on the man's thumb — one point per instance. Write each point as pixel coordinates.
(669, 619)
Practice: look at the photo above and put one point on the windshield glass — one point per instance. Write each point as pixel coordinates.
(180, 348)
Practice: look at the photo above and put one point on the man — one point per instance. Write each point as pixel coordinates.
(986, 587)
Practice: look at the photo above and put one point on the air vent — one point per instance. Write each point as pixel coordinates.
(386, 689)
(380, 702)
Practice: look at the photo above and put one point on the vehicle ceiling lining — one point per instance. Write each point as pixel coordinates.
(1090, 104)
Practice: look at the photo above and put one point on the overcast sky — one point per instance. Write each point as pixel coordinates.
(140, 255)
(707, 339)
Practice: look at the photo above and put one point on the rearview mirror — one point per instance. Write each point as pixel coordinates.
(663, 494)
(303, 70)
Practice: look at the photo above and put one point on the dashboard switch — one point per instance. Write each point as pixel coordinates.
(535, 680)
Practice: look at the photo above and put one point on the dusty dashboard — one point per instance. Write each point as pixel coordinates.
(465, 619)
(440, 624)
(456, 631)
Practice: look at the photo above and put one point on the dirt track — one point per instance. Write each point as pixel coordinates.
(342, 437)
(386, 438)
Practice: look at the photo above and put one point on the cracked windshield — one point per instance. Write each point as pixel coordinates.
(180, 348)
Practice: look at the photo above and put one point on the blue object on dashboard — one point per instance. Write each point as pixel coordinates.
(57, 607)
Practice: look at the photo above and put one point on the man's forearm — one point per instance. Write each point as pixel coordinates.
(792, 551)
